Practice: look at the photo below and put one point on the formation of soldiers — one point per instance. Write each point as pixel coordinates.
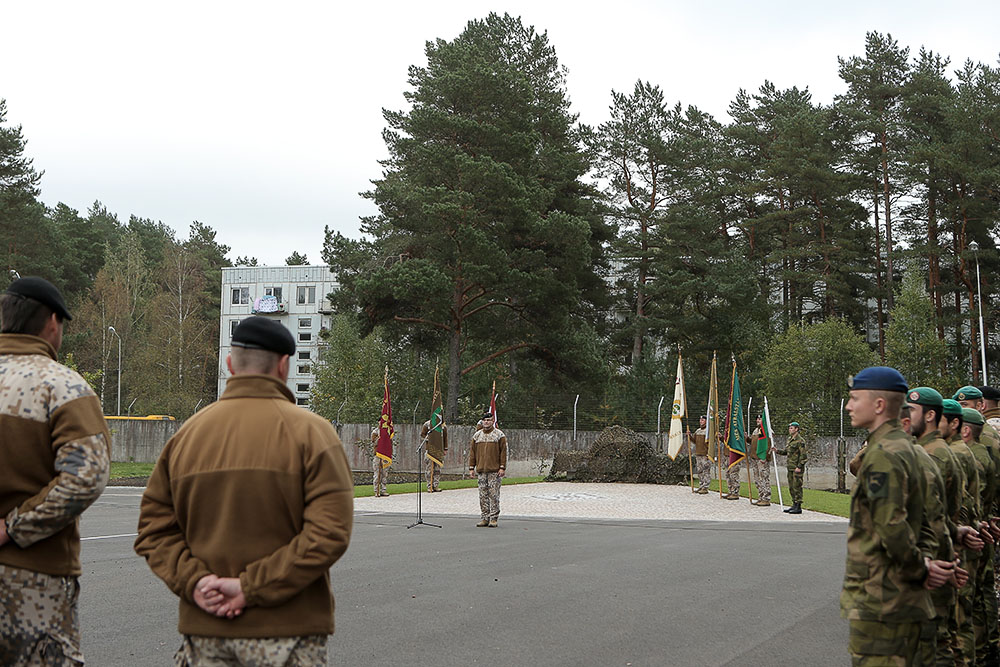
(795, 451)
(919, 586)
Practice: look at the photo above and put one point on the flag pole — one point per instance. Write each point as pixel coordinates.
(746, 459)
(770, 427)
(690, 460)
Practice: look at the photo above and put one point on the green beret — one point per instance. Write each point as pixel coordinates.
(925, 396)
(951, 408)
(795, 424)
(970, 416)
(968, 393)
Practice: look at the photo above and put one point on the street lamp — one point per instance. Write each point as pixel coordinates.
(14, 274)
(979, 297)
(112, 330)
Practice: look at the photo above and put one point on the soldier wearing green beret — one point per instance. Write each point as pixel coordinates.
(972, 545)
(945, 487)
(889, 548)
(984, 610)
(795, 450)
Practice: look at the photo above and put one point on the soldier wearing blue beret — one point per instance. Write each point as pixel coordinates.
(889, 550)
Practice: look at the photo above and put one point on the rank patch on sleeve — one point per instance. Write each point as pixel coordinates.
(878, 485)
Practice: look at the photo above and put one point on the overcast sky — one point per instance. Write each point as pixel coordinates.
(263, 120)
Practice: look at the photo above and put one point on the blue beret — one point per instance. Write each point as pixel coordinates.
(879, 378)
(262, 333)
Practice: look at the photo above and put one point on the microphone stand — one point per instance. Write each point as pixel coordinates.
(420, 480)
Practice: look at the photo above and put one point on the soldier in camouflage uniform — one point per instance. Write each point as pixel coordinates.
(733, 477)
(488, 459)
(55, 454)
(434, 470)
(924, 408)
(951, 426)
(761, 467)
(889, 544)
(991, 413)
(795, 450)
(703, 463)
(380, 469)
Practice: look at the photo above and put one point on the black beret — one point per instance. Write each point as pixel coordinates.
(42, 291)
(263, 333)
(487, 415)
(990, 394)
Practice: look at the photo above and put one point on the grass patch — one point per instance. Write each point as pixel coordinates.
(119, 469)
(411, 487)
(837, 504)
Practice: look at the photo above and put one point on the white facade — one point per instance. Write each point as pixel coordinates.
(303, 308)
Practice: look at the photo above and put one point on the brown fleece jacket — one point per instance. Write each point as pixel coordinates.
(256, 488)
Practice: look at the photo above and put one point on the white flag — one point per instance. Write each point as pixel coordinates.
(677, 414)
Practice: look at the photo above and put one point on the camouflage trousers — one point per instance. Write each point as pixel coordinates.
(433, 474)
(380, 476)
(965, 653)
(704, 466)
(308, 651)
(39, 621)
(489, 495)
(984, 607)
(795, 485)
(762, 478)
(872, 643)
(733, 478)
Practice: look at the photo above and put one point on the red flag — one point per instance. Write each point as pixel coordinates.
(383, 449)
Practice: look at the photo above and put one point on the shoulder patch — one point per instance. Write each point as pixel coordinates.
(878, 485)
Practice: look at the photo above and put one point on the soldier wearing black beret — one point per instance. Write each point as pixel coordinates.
(266, 502)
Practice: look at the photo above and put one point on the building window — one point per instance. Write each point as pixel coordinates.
(305, 337)
(305, 355)
(241, 296)
(273, 291)
(302, 386)
(232, 327)
(304, 369)
(304, 295)
(301, 401)
(305, 322)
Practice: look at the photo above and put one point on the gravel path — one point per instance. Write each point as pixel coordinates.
(591, 501)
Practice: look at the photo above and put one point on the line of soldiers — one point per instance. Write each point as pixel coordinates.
(795, 451)
(919, 586)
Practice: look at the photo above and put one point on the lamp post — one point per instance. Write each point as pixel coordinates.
(112, 330)
(15, 275)
(979, 298)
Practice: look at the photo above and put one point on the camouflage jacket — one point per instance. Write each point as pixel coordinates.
(935, 516)
(987, 479)
(970, 467)
(888, 537)
(55, 453)
(952, 475)
(796, 452)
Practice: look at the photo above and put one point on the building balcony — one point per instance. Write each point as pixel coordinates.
(268, 305)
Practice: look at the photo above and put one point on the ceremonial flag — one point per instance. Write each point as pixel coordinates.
(677, 413)
(766, 437)
(712, 414)
(493, 405)
(736, 435)
(383, 448)
(435, 437)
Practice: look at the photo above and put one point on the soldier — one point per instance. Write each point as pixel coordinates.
(795, 450)
(761, 467)
(972, 545)
(984, 611)
(991, 406)
(488, 459)
(249, 505)
(434, 470)
(889, 554)
(380, 468)
(923, 412)
(702, 461)
(55, 453)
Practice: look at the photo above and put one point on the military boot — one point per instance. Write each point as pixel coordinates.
(795, 509)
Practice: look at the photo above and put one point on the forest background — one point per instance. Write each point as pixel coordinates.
(569, 263)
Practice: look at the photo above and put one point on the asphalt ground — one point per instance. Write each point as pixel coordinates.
(535, 591)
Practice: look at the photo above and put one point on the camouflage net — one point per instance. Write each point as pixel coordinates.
(619, 455)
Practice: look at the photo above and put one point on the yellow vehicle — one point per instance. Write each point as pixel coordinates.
(146, 418)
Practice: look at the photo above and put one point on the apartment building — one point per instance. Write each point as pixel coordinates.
(292, 295)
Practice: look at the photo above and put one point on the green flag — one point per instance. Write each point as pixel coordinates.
(736, 434)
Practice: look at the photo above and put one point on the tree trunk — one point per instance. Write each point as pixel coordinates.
(878, 285)
(454, 375)
(933, 257)
(888, 219)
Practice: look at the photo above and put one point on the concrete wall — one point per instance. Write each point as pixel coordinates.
(530, 451)
(139, 441)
